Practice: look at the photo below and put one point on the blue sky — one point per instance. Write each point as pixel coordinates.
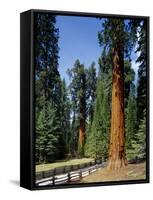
(78, 40)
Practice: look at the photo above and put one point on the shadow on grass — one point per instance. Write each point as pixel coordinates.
(137, 161)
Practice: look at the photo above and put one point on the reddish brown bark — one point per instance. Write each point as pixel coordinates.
(82, 116)
(82, 128)
(82, 134)
(117, 158)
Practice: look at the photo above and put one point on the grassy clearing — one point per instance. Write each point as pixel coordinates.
(46, 167)
(130, 172)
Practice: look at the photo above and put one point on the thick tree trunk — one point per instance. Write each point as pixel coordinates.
(117, 158)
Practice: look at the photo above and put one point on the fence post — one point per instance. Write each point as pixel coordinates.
(80, 174)
(69, 177)
(53, 180)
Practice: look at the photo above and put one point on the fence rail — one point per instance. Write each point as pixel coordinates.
(69, 176)
(65, 169)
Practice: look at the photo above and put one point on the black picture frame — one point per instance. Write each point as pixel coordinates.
(27, 101)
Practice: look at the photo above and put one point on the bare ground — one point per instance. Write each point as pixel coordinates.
(130, 172)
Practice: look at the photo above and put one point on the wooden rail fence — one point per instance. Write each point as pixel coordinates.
(71, 176)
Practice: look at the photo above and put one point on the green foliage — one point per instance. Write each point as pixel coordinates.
(78, 93)
(141, 135)
(135, 131)
(139, 28)
(48, 131)
(50, 138)
(65, 118)
(48, 82)
(131, 123)
(74, 134)
(97, 134)
(114, 33)
(138, 145)
(142, 71)
(82, 90)
(91, 90)
(86, 102)
(129, 76)
(138, 141)
(80, 150)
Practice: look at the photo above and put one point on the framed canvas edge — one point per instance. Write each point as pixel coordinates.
(32, 102)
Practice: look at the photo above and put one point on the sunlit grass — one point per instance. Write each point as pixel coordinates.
(46, 167)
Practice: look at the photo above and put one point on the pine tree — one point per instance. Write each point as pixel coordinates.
(46, 59)
(131, 123)
(65, 118)
(142, 71)
(141, 135)
(139, 31)
(48, 86)
(129, 76)
(91, 90)
(47, 134)
(40, 137)
(138, 142)
(97, 134)
(139, 28)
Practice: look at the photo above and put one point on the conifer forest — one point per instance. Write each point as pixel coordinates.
(90, 92)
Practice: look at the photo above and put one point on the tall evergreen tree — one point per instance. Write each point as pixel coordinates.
(129, 76)
(48, 131)
(131, 123)
(82, 87)
(97, 135)
(142, 76)
(140, 146)
(47, 85)
(65, 118)
(91, 90)
(115, 37)
(139, 30)
(46, 58)
(98, 132)
(78, 92)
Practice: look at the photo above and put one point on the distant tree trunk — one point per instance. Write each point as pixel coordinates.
(81, 134)
(82, 119)
(117, 158)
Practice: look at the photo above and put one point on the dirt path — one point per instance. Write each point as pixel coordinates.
(130, 172)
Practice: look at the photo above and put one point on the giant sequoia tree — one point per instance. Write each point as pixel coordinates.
(78, 92)
(115, 36)
(82, 88)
